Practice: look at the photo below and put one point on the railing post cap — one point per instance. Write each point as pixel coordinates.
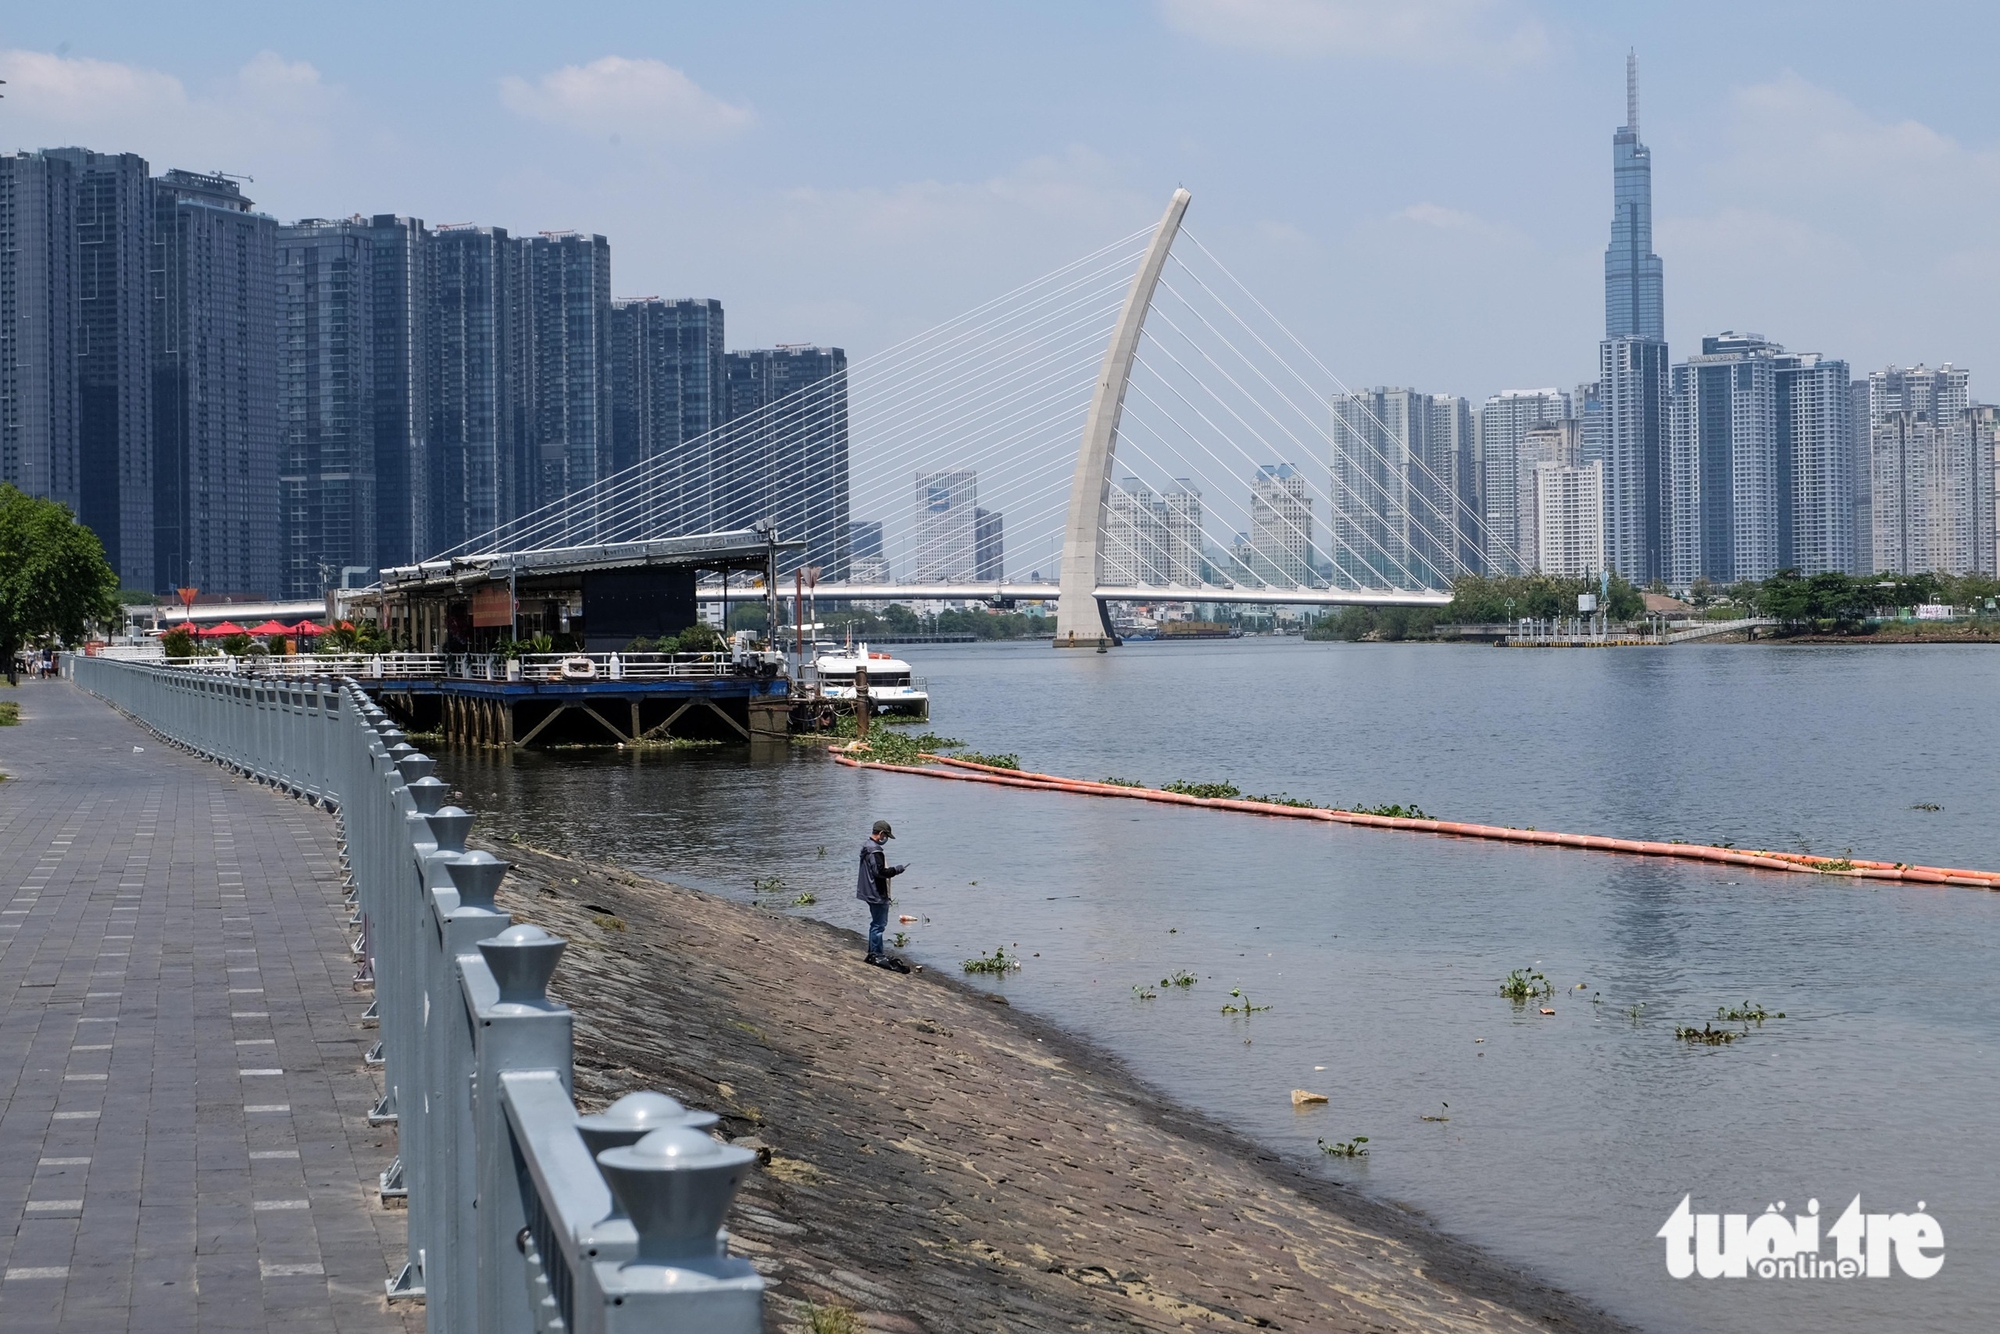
(637, 1115)
(429, 794)
(449, 827)
(476, 876)
(674, 1147)
(522, 959)
(415, 765)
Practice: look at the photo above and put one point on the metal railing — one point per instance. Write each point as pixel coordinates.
(364, 666)
(591, 667)
(523, 1216)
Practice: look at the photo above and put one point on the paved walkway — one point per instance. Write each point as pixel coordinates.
(183, 1133)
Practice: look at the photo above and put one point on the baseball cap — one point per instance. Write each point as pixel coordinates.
(882, 828)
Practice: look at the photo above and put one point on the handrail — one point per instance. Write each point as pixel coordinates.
(593, 1237)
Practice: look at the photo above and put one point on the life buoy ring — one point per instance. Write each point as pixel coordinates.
(579, 669)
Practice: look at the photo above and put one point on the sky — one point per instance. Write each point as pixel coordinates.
(1421, 189)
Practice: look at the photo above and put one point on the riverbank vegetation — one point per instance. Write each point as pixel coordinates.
(1476, 600)
(1882, 607)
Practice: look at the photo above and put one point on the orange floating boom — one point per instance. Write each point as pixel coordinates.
(968, 772)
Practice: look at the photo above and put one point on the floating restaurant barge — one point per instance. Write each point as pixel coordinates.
(467, 619)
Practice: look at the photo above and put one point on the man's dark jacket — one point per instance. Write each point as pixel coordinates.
(873, 885)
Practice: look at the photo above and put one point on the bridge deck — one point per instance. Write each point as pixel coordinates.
(183, 1132)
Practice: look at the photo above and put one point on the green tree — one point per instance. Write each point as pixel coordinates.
(54, 580)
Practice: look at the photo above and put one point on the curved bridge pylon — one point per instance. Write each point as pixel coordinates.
(1082, 620)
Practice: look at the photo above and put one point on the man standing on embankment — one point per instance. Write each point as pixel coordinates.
(873, 890)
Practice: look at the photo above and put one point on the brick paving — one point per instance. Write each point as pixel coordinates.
(183, 1101)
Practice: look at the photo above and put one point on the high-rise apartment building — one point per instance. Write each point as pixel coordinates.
(38, 318)
(1932, 472)
(1933, 492)
(1762, 463)
(1406, 501)
(1507, 473)
(1814, 407)
(1558, 444)
(1184, 566)
(403, 379)
(1861, 430)
(326, 403)
(784, 455)
(215, 381)
(667, 402)
(113, 215)
(1728, 462)
(947, 529)
(1630, 435)
(989, 547)
(1281, 526)
(567, 291)
(478, 364)
(1569, 519)
(1135, 536)
(866, 561)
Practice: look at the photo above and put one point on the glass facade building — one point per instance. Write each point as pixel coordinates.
(215, 388)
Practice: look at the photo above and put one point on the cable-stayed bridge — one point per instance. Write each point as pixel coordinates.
(1135, 426)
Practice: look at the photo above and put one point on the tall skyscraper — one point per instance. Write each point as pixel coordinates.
(1281, 526)
(326, 402)
(947, 526)
(38, 305)
(667, 400)
(477, 418)
(1630, 439)
(1503, 423)
(404, 379)
(114, 373)
(784, 455)
(568, 330)
(215, 388)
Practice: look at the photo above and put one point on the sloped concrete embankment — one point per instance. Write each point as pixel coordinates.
(940, 1161)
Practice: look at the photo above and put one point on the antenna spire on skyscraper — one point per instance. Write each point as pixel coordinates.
(1632, 92)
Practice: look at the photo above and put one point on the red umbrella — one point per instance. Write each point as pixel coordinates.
(220, 631)
(307, 627)
(270, 628)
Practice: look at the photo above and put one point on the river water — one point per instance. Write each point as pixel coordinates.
(1571, 1137)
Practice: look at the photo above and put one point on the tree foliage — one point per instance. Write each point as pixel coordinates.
(1482, 599)
(54, 580)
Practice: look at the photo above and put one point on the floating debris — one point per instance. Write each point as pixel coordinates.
(1524, 984)
(997, 962)
(1347, 1148)
(1302, 1098)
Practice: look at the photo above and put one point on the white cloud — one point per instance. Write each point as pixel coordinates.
(1423, 32)
(1791, 135)
(636, 99)
(1440, 217)
(272, 115)
(45, 88)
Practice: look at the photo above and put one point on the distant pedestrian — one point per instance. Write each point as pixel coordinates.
(872, 888)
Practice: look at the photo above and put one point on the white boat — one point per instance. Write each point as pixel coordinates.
(891, 687)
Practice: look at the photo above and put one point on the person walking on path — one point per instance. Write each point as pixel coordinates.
(873, 889)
